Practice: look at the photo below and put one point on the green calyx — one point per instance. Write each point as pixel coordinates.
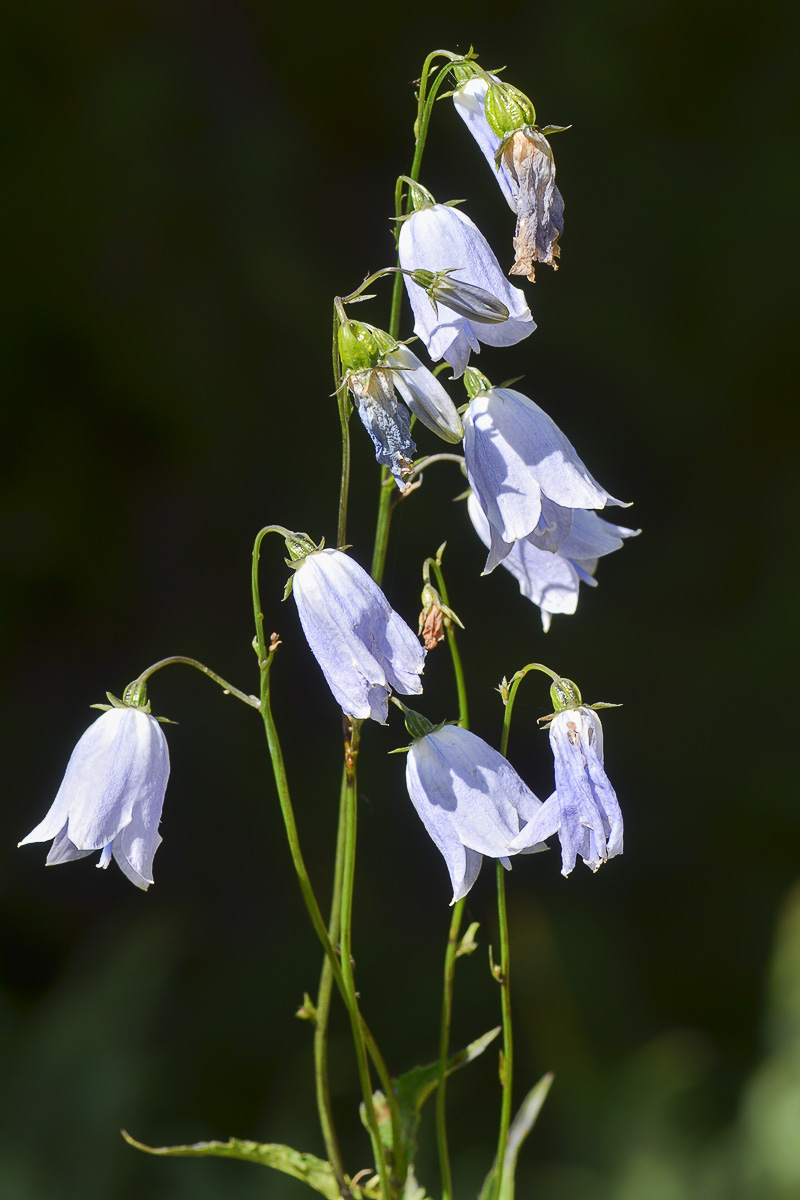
(475, 382)
(420, 196)
(508, 109)
(565, 694)
(358, 347)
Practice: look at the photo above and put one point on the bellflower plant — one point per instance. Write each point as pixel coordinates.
(551, 578)
(111, 795)
(469, 798)
(363, 647)
(439, 238)
(583, 810)
(517, 458)
(535, 506)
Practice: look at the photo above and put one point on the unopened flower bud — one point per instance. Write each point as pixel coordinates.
(565, 694)
(507, 109)
(358, 347)
(466, 299)
(432, 618)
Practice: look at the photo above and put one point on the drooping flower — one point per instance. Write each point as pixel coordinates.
(516, 460)
(439, 238)
(501, 120)
(111, 795)
(364, 648)
(583, 810)
(470, 799)
(424, 394)
(551, 577)
(375, 364)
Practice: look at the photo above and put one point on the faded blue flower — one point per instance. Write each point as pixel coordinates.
(517, 459)
(440, 238)
(111, 796)
(363, 647)
(550, 564)
(583, 810)
(386, 420)
(470, 799)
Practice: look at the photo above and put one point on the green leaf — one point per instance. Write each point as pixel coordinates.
(521, 1126)
(305, 1167)
(415, 1086)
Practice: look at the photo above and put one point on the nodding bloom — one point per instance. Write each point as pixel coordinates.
(522, 162)
(437, 238)
(111, 796)
(470, 799)
(364, 648)
(376, 367)
(551, 577)
(517, 460)
(583, 810)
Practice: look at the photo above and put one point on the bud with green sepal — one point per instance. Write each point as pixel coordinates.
(501, 119)
(376, 367)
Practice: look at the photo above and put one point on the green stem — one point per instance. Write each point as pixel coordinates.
(424, 109)
(323, 1014)
(346, 931)
(266, 653)
(444, 1049)
(507, 1066)
(228, 688)
(452, 642)
(343, 402)
(455, 929)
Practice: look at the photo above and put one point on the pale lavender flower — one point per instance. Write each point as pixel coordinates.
(424, 394)
(551, 577)
(363, 647)
(470, 104)
(583, 810)
(516, 460)
(440, 238)
(111, 796)
(470, 799)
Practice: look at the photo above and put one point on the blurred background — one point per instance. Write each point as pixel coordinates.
(187, 186)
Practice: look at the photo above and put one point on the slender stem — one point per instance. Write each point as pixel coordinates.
(323, 1013)
(455, 929)
(343, 403)
(423, 463)
(452, 642)
(512, 695)
(444, 1049)
(424, 109)
(228, 688)
(345, 938)
(507, 1064)
(361, 1035)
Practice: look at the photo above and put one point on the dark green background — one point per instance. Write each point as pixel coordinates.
(187, 186)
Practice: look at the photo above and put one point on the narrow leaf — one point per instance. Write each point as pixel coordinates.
(305, 1167)
(521, 1126)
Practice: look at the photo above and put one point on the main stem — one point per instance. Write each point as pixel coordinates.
(507, 1066)
(323, 1013)
(455, 929)
(346, 926)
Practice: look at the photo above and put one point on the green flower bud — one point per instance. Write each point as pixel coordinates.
(565, 694)
(466, 299)
(508, 109)
(475, 382)
(358, 346)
